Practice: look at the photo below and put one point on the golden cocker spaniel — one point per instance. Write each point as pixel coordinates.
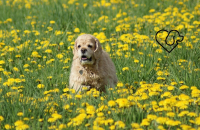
(91, 66)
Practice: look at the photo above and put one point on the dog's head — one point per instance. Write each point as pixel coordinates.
(87, 49)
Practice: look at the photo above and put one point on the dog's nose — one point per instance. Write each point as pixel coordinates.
(83, 50)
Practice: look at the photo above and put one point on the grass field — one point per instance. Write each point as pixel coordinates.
(157, 90)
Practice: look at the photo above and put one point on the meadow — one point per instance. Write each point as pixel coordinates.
(156, 90)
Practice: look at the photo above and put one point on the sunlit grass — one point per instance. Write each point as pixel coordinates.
(156, 89)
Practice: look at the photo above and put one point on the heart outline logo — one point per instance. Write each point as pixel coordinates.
(169, 32)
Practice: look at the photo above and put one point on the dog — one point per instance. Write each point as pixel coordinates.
(91, 65)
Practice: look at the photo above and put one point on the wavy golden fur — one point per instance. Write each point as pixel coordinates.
(91, 66)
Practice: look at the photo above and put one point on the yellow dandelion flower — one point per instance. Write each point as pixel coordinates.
(173, 83)
(170, 114)
(56, 116)
(2, 62)
(19, 123)
(183, 97)
(135, 125)
(78, 96)
(76, 30)
(183, 113)
(40, 86)
(15, 69)
(162, 120)
(61, 43)
(62, 126)
(136, 61)
(48, 51)
(90, 109)
(197, 120)
(159, 50)
(1, 118)
(183, 87)
(151, 117)
(172, 122)
(111, 103)
(159, 73)
(166, 94)
(192, 114)
(7, 126)
(185, 127)
(40, 120)
(20, 114)
(66, 107)
(59, 56)
(52, 22)
(125, 69)
(170, 88)
(112, 127)
(151, 10)
(51, 119)
(123, 102)
(120, 124)
(120, 84)
(100, 114)
(22, 127)
(145, 122)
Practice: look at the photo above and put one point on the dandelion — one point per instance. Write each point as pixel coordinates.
(56, 116)
(170, 88)
(173, 83)
(136, 61)
(120, 124)
(22, 127)
(19, 123)
(76, 30)
(15, 69)
(52, 22)
(170, 114)
(145, 122)
(40, 120)
(1, 118)
(123, 102)
(61, 43)
(62, 126)
(48, 51)
(7, 126)
(51, 119)
(183, 113)
(183, 87)
(161, 120)
(78, 96)
(151, 10)
(40, 86)
(125, 69)
(112, 127)
(2, 62)
(185, 127)
(135, 125)
(90, 109)
(159, 50)
(59, 56)
(151, 117)
(173, 123)
(111, 103)
(20, 114)
(120, 84)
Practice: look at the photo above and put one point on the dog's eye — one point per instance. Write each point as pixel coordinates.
(79, 46)
(89, 46)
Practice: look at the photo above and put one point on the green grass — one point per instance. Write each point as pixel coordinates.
(127, 33)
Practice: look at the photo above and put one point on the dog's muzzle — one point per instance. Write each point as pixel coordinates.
(84, 58)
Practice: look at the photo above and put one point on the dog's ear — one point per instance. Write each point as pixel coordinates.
(75, 50)
(98, 49)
